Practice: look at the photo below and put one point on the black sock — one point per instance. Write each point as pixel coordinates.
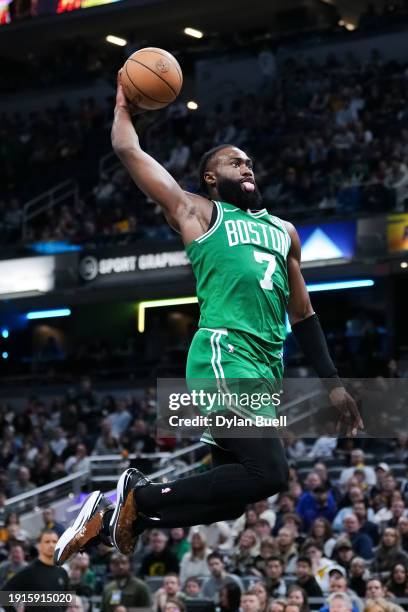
(105, 523)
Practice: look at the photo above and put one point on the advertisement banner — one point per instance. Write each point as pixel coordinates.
(397, 233)
(328, 241)
(130, 263)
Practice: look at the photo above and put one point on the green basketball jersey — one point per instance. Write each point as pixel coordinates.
(241, 273)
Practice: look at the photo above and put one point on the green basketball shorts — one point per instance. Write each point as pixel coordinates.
(229, 362)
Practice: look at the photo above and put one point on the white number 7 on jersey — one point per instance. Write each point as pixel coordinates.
(266, 282)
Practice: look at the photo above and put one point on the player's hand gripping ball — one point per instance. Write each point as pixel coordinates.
(151, 78)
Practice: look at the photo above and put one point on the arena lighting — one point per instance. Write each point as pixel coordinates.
(143, 306)
(333, 286)
(404, 264)
(4, 355)
(5, 333)
(349, 26)
(115, 40)
(48, 314)
(193, 32)
(191, 105)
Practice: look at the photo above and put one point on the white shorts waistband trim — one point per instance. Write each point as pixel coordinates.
(220, 330)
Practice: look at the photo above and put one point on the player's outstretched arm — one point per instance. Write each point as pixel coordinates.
(187, 213)
(309, 334)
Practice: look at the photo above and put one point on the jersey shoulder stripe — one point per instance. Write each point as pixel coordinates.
(220, 214)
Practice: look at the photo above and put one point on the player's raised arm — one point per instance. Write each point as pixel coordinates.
(309, 334)
(185, 212)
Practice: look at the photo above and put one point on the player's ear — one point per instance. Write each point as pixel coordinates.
(209, 178)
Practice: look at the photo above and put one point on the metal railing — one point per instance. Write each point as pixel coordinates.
(44, 495)
(62, 193)
(104, 468)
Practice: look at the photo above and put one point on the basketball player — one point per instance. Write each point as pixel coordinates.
(247, 267)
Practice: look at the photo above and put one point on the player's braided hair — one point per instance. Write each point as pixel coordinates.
(202, 168)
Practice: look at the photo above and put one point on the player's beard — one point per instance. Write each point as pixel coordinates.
(232, 192)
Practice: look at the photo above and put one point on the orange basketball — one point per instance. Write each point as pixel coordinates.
(151, 78)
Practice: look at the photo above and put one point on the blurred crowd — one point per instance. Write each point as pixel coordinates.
(335, 541)
(47, 439)
(327, 139)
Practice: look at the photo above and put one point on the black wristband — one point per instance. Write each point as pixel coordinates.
(312, 341)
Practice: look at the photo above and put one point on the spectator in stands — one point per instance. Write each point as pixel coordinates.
(249, 602)
(83, 562)
(260, 590)
(105, 442)
(15, 563)
(140, 441)
(41, 574)
(219, 577)
(23, 483)
(295, 447)
(315, 503)
(403, 531)
(59, 441)
(357, 459)
(325, 445)
(298, 596)
(174, 605)
(343, 552)
(338, 602)
(305, 578)
(358, 576)
(79, 461)
(160, 560)
(362, 543)
(170, 591)
(262, 529)
(284, 504)
(375, 588)
(287, 549)
(263, 510)
(268, 548)
(76, 583)
(179, 543)
(320, 564)
(367, 526)
(192, 588)
(244, 554)
(353, 495)
(389, 552)
(398, 510)
(274, 580)
(119, 420)
(50, 522)
(388, 492)
(229, 597)
(14, 529)
(321, 532)
(338, 584)
(397, 584)
(217, 535)
(124, 589)
(277, 605)
(194, 562)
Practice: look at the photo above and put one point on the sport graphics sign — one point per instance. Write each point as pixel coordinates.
(127, 264)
